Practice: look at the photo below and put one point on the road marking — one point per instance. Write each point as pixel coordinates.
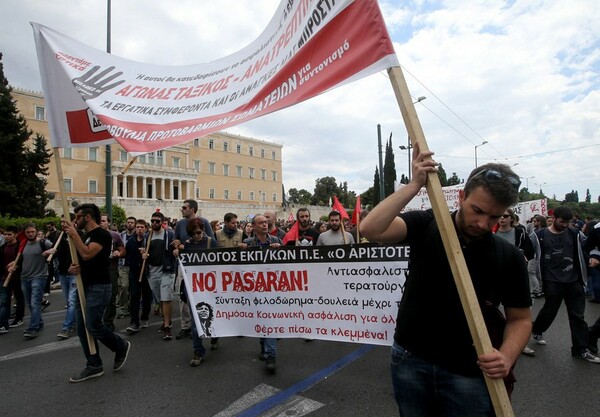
(273, 402)
(295, 406)
(45, 348)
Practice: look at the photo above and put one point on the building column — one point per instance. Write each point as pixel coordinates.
(125, 179)
(134, 187)
(153, 188)
(171, 189)
(115, 188)
(144, 187)
(162, 188)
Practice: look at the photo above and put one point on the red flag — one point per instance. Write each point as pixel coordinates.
(356, 212)
(292, 234)
(291, 217)
(337, 206)
(22, 239)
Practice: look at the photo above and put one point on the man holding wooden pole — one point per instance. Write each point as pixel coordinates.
(93, 252)
(435, 368)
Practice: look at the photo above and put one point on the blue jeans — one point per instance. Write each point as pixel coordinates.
(4, 306)
(33, 291)
(68, 286)
(97, 299)
(422, 389)
(197, 341)
(594, 277)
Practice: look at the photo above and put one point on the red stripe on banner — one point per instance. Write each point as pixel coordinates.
(351, 42)
(84, 127)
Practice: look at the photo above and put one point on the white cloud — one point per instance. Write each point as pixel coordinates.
(523, 75)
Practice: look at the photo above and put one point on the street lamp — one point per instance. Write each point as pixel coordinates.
(409, 146)
(477, 146)
(527, 181)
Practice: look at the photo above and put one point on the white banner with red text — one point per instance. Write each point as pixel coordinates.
(525, 209)
(347, 293)
(308, 47)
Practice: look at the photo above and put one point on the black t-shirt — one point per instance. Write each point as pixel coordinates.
(95, 271)
(431, 322)
(306, 237)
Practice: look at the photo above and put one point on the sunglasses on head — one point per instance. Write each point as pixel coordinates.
(491, 175)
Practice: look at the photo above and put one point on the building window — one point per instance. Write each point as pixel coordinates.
(67, 153)
(250, 172)
(142, 159)
(40, 113)
(211, 193)
(239, 194)
(251, 196)
(196, 142)
(263, 197)
(274, 175)
(262, 153)
(151, 158)
(238, 148)
(274, 197)
(198, 192)
(273, 155)
(159, 158)
(251, 150)
(211, 144)
(68, 184)
(226, 146)
(238, 171)
(226, 194)
(176, 162)
(226, 170)
(196, 165)
(211, 168)
(92, 186)
(123, 156)
(93, 154)
(263, 174)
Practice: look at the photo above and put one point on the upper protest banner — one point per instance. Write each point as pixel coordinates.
(347, 293)
(524, 209)
(308, 47)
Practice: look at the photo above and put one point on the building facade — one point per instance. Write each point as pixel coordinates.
(220, 170)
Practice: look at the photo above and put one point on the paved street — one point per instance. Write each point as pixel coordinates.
(314, 378)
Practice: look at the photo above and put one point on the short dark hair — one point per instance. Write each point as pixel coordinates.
(141, 221)
(334, 213)
(192, 203)
(12, 229)
(91, 209)
(300, 210)
(501, 188)
(229, 216)
(158, 214)
(131, 218)
(194, 224)
(563, 212)
(107, 216)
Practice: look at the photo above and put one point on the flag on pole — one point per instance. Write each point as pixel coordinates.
(293, 234)
(337, 206)
(291, 218)
(306, 49)
(356, 212)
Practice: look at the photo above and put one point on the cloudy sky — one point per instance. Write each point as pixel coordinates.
(522, 75)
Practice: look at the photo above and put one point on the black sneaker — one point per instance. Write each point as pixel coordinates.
(121, 357)
(271, 364)
(167, 333)
(214, 343)
(16, 323)
(31, 334)
(86, 374)
(587, 356)
(45, 304)
(3, 330)
(183, 334)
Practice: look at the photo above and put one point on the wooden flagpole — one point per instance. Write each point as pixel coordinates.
(147, 249)
(468, 298)
(55, 247)
(129, 164)
(15, 263)
(72, 248)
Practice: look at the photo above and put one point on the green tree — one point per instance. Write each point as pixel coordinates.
(366, 197)
(404, 179)
(389, 169)
(588, 196)
(119, 217)
(442, 175)
(325, 188)
(454, 180)
(376, 188)
(23, 165)
(572, 197)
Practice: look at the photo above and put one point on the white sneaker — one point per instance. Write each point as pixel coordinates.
(528, 351)
(539, 339)
(587, 356)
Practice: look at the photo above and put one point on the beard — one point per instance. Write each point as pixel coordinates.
(335, 228)
(464, 229)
